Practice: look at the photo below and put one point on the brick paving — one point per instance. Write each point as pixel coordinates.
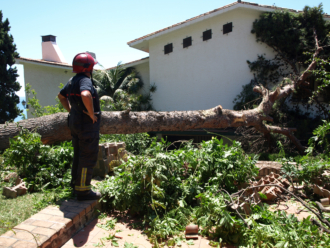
(93, 236)
(52, 226)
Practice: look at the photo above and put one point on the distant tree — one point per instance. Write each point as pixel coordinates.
(8, 74)
(292, 36)
(120, 88)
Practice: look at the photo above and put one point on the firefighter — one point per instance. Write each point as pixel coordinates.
(80, 99)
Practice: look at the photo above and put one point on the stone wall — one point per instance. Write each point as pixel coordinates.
(110, 156)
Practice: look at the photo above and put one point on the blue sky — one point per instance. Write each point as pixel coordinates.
(103, 26)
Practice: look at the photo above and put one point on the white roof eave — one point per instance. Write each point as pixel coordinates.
(136, 44)
(22, 61)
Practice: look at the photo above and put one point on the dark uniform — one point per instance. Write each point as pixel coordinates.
(85, 134)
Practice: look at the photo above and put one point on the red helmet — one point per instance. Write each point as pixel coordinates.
(83, 62)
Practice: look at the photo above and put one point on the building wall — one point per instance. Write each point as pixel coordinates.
(144, 73)
(208, 73)
(45, 80)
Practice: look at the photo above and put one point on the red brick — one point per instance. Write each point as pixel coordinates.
(7, 241)
(44, 231)
(42, 223)
(28, 221)
(58, 227)
(40, 216)
(62, 220)
(88, 202)
(41, 238)
(71, 215)
(70, 204)
(84, 205)
(24, 227)
(88, 209)
(46, 244)
(23, 235)
(53, 207)
(25, 244)
(94, 203)
(52, 212)
(80, 211)
(8, 234)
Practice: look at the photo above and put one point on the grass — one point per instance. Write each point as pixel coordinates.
(15, 211)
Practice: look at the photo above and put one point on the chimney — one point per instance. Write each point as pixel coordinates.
(50, 50)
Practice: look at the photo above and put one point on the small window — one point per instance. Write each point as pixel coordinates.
(207, 34)
(168, 48)
(227, 28)
(187, 42)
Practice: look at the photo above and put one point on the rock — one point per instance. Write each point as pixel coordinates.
(325, 201)
(21, 191)
(10, 176)
(18, 181)
(13, 192)
(9, 192)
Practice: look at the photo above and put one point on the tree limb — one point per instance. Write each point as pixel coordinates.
(297, 198)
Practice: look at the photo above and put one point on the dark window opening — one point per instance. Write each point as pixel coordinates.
(168, 48)
(227, 28)
(207, 34)
(48, 38)
(187, 42)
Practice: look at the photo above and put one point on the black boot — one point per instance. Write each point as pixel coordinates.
(91, 195)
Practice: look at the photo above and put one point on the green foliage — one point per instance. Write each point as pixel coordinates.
(36, 109)
(171, 189)
(121, 88)
(266, 72)
(136, 143)
(130, 245)
(8, 74)
(109, 224)
(291, 37)
(320, 138)
(227, 227)
(291, 34)
(40, 165)
(113, 239)
(281, 230)
(306, 170)
(14, 211)
(161, 185)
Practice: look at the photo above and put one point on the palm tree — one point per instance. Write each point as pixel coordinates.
(120, 88)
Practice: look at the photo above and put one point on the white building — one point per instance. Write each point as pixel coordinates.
(195, 64)
(45, 75)
(201, 62)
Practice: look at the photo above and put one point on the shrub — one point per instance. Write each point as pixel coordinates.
(40, 165)
(136, 143)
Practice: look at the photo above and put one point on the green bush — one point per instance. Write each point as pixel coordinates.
(162, 185)
(40, 165)
(136, 143)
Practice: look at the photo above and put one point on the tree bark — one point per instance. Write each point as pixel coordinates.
(53, 128)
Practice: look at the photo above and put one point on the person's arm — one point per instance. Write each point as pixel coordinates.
(64, 101)
(87, 99)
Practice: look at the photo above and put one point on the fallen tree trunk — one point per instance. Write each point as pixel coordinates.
(53, 128)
